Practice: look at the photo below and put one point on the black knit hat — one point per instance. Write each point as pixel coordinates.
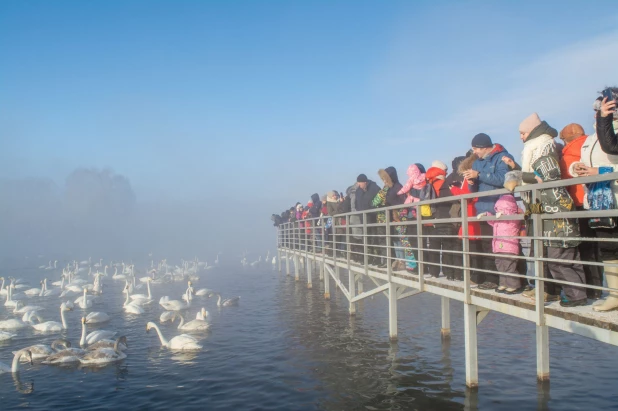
(361, 178)
(482, 140)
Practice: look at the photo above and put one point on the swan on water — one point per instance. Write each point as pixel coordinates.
(94, 336)
(228, 302)
(15, 366)
(4, 336)
(20, 309)
(67, 356)
(85, 301)
(203, 291)
(193, 325)
(122, 344)
(141, 299)
(53, 326)
(167, 316)
(97, 317)
(104, 355)
(49, 293)
(33, 292)
(182, 342)
(40, 351)
(177, 305)
(131, 307)
(12, 324)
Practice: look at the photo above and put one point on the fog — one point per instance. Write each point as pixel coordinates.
(96, 213)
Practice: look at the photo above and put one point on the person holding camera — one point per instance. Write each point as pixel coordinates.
(599, 154)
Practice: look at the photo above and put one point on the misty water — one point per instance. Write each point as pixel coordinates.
(287, 348)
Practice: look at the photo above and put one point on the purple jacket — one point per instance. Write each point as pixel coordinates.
(506, 205)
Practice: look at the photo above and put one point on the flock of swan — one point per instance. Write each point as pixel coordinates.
(80, 287)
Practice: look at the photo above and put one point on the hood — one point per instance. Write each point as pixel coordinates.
(393, 174)
(466, 163)
(456, 162)
(420, 167)
(315, 198)
(435, 173)
(506, 205)
(542, 129)
(331, 197)
(386, 178)
(497, 149)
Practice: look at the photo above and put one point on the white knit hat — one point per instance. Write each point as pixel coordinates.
(439, 164)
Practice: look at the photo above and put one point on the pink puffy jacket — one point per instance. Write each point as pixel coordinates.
(506, 205)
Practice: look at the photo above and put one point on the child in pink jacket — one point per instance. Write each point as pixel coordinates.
(506, 247)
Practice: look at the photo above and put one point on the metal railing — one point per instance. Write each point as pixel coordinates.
(369, 241)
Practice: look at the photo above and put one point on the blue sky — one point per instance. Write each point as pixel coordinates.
(267, 102)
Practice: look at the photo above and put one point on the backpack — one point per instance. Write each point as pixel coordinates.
(427, 193)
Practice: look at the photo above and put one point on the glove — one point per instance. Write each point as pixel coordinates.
(498, 215)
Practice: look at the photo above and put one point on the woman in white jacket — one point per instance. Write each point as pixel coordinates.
(593, 157)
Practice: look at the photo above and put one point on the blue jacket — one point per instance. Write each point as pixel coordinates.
(491, 177)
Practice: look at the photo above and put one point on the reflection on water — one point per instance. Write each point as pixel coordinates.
(287, 348)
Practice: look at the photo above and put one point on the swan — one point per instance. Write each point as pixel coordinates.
(166, 316)
(122, 344)
(202, 292)
(3, 290)
(131, 307)
(188, 296)
(103, 355)
(177, 305)
(141, 299)
(40, 351)
(117, 276)
(228, 302)
(52, 326)
(12, 324)
(20, 309)
(66, 356)
(94, 336)
(49, 293)
(15, 366)
(201, 314)
(32, 292)
(193, 325)
(4, 336)
(30, 316)
(97, 317)
(15, 296)
(9, 300)
(181, 342)
(85, 301)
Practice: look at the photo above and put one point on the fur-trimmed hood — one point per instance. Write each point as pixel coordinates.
(466, 163)
(386, 178)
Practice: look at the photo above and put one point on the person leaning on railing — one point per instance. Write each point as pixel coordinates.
(540, 163)
(599, 154)
(487, 174)
(408, 240)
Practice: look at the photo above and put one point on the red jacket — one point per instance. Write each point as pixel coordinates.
(474, 228)
(570, 154)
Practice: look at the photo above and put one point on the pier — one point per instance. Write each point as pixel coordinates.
(303, 253)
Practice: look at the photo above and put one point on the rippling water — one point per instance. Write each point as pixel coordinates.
(286, 348)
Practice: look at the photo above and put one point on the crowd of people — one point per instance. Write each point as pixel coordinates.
(494, 244)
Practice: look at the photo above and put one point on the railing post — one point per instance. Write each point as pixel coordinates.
(542, 331)
(471, 354)
(365, 246)
(311, 265)
(420, 260)
(351, 276)
(465, 242)
(389, 270)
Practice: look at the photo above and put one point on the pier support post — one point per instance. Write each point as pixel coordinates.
(542, 353)
(309, 269)
(392, 311)
(297, 268)
(287, 263)
(279, 259)
(471, 356)
(321, 271)
(359, 281)
(446, 318)
(326, 283)
(352, 290)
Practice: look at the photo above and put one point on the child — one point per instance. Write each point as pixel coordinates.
(506, 248)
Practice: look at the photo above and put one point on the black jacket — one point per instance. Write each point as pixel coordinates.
(392, 198)
(454, 179)
(607, 135)
(316, 208)
(364, 198)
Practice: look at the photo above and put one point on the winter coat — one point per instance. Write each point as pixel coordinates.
(474, 227)
(539, 143)
(314, 210)
(334, 208)
(455, 178)
(393, 197)
(506, 205)
(364, 198)
(607, 127)
(436, 177)
(416, 181)
(491, 170)
(379, 201)
(571, 153)
(592, 155)
(350, 206)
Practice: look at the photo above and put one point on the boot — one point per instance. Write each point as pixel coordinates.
(611, 302)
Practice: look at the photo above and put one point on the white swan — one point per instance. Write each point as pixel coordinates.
(9, 301)
(177, 305)
(85, 301)
(103, 356)
(97, 317)
(12, 324)
(227, 302)
(193, 325)
(94, 336)
(201, 314)
(20, 309)
(203, 291)
(142, 299)
(166, 316)
(131, 307)
(182, 342)
(15, 366)
(49, 293)
(32, 292)
(4, 336)
(53, 326)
